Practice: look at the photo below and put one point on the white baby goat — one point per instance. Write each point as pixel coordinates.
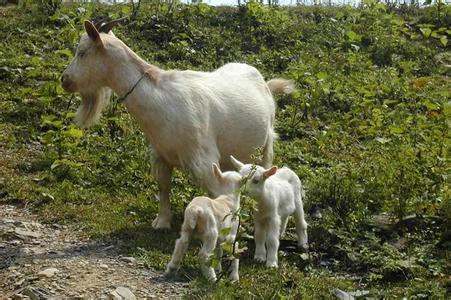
(279, 194)
(205, 218)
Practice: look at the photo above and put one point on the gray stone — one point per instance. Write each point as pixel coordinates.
(20, 297)
(128, 259)
(121, 293)
(50, 272)
(30, 292)
(23, 234)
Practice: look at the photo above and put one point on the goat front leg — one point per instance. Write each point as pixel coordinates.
(235, 264)
(219, 253)
(272, 241)
(162, 172)
(259, 237)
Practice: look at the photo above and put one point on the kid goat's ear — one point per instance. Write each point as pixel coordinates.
(271, 171)
(236, 163)
(92, 32)
(216, 171)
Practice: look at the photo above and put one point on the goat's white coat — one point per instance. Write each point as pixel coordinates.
(192, 119)
(204, 219)
(278, 195)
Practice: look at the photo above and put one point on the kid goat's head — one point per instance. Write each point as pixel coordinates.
(89, 74)
(257, 175)
(229, 182)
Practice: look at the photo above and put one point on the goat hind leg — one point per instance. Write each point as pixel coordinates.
(208, 245)
(181, 245)
(301, 225)
(268, 151)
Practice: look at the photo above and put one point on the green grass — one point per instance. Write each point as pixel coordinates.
(367, 134)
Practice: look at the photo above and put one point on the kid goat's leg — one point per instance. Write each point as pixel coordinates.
(181, 245)
(234, 275)
(301, 224)
(259, 237)
(162, 172)
(272, 241)
(283, 225)
(208, 245)
(219, 253)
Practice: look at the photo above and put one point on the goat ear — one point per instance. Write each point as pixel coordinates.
(271, 171)
(236, 163)
(216, 171)
(92, 32)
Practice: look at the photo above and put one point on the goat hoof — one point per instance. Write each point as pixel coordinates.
(170, 271)
(304, 247)
(161, 223)
(260, 259)
(272, 265)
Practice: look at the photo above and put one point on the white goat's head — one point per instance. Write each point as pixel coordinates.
(257, 175)
(228, 182)
(90, 71)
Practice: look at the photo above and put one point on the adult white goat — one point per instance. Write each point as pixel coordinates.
(192, 119)
(279, 194)
(205, 218)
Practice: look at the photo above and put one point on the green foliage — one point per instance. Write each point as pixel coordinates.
(366, 131)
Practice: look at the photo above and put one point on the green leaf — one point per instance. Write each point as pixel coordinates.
(444, 40)
(382, 140)
(227, 247)
(73, 132)
(354, 37)
(65, 52)
(426, 31)
(225, 231)
(321, 75)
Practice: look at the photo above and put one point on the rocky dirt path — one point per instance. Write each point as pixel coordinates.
(42, 261)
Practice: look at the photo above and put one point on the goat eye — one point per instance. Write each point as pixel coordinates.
(81, 53)
(255, 181)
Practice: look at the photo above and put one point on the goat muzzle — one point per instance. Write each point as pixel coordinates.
(67, 84)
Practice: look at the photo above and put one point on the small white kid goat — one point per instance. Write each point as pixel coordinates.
(205, 218)
(279, 194)
(191, 119)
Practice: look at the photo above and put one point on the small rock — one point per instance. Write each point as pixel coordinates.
(34, 294)
(23, 234)
(20, 297)
(128, 259)
(103, 266)
(19, 283)
(15, 242)
(108, 248)
(50, 272)
(121, 293)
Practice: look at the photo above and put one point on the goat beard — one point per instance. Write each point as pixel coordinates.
(92, 104)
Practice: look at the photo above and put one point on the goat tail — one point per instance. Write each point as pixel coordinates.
(279, 86)
(191, 216)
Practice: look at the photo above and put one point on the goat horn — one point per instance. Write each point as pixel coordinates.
(98, 24)
(108, 26)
